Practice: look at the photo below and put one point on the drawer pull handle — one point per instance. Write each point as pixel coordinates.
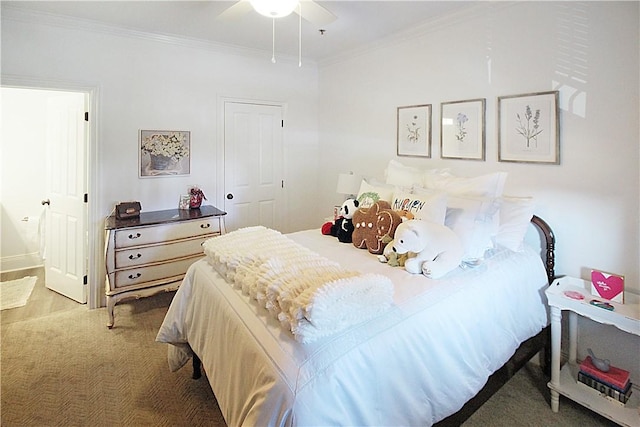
(205, 225)
(134, 236)
(136, 256)
(135, 276)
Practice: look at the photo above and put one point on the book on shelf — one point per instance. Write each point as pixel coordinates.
(616, 377)
(603, 390)
(620, 389)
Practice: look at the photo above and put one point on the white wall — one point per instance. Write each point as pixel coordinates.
(161, 83)
(145, 83)
(587, 50)
(592, 198)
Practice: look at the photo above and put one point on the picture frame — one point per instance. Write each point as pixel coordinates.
(529, 128)
(414, 131)
(462, 129)
(164, 153)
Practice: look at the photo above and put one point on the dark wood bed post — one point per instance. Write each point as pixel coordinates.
(550, 241)
(197, 373)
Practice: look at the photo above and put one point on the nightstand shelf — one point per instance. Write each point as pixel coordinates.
(564, 381)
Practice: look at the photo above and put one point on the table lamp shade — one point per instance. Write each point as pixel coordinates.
(348, 183)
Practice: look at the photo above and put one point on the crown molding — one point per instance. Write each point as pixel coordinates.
(433, 25)
(18, 14)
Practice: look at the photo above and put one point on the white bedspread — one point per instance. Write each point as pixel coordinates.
(310, 295)
(414, 365)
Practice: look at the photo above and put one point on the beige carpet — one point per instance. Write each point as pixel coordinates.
(15, 293)
(68, 369)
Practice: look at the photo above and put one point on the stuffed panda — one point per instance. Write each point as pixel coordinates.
(343, 226)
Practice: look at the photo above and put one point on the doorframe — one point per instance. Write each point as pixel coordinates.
(95, 223)
(220, 143)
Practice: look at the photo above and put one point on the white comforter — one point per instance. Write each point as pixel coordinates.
(414, 365)
(310, 295)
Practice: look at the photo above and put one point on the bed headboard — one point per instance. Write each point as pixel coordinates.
(549, 242)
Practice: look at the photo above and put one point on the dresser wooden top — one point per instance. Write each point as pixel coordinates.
(162, 217)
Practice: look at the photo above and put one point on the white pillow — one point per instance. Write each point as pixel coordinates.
(490, 185)
(474, 221)
(514, 219)
(425, 204)
(404, 176)
(372, 191)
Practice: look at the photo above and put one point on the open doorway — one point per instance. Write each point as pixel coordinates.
(45, 138)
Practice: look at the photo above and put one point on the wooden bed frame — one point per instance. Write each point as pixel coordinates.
(524, 353)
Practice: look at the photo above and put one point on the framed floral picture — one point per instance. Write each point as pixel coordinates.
(529, 128)
(462, 129)
(414, 131)
(164, 153)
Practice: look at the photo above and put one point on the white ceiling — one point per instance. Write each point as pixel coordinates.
(359, 24)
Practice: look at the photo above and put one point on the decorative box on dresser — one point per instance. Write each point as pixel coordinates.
(151, 253)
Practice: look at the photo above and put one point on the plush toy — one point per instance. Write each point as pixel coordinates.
(391, 257)
(373, 225)
(405, 215)
(438, 249)
(343, 226)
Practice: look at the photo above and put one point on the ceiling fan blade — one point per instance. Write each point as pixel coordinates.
(242, 7)
(316, 14)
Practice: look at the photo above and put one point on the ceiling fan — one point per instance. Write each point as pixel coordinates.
(309, 10)
(274, 9)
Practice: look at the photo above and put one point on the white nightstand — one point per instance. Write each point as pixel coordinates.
(563, 382)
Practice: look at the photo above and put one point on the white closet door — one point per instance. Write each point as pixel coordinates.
(253, 167)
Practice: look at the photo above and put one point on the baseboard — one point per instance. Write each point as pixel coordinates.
(20, 262)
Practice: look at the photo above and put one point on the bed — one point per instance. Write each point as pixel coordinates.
(433, 357)
(302, 329)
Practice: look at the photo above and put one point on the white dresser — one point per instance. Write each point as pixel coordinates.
(151, 253)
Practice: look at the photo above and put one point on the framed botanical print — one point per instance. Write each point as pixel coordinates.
(462, 129)
(414, 131)
(529, 128)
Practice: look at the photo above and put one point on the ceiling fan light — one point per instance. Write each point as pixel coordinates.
(274, 8)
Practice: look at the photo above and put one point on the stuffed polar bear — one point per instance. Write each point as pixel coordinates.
(438, 249)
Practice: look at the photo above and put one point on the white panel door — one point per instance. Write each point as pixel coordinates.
(253, 178)
(65, 227)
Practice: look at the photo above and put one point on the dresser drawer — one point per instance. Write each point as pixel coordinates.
(159, 252)
(137, 275)
(137, 236)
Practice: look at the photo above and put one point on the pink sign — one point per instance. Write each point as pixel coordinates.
(607, 286)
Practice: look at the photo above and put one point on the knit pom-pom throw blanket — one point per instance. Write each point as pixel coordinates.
(309, 294)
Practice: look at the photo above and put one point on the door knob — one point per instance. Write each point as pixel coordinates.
(46, 202)
(229, 196)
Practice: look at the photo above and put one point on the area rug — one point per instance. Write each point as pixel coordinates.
(15, 293)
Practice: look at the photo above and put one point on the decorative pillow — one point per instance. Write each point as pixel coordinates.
(404, 176)
(490, 185)
(407, 176)
(371, 225)
(428, 206)
(372, 191)
(474, 221)
(514, 219)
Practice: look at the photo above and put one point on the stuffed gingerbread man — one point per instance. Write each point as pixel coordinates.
(438, 249)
